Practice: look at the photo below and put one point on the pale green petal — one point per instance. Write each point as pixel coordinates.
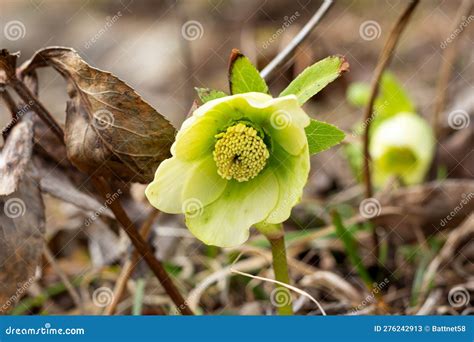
(404, 131)
(289, 104)
(165, 192)
(292, 138)
(285, 122)
(197, 134)
(281, 117)
(203, 186)
(254, 99)
(198, 139)
(226, 221)
(292, 174)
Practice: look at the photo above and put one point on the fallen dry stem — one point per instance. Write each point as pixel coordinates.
(64, 278)
(143, 248)
(130, 265)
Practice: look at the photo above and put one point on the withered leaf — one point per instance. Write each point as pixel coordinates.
(54, 180)
(15, 155)
(21, 215)
(7, 66)
(110, 130)
(21, 240)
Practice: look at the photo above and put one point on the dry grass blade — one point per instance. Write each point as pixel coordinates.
(456, 237)
(293, 288)
(130, 265)
(337, 285)
(244, 265)
(64, 278)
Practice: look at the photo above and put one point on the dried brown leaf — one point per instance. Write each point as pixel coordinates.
(110, 130)
(7, 66)
(21, 215)
(21, 239)
(15, 155)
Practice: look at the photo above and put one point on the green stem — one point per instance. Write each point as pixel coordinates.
(275, 235)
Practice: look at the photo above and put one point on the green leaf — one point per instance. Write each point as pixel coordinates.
(206, 94)
(243, 76)
(392, 98)
(353, 153)
(316, 77)
(350, 245)
(322, 136)
(358, 94)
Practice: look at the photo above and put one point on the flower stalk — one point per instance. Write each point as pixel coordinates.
(275, 235)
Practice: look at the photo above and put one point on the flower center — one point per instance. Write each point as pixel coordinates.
(398, 159)
(240, 153)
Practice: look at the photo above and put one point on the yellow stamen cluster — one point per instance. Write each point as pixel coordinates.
(240, 153)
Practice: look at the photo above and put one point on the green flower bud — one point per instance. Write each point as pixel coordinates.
(402, 146)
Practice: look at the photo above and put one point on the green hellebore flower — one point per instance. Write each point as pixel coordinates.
(402, 146)
(237, 161)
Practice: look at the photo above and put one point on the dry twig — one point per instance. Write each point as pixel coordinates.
(449, 54)
(287, 52)
(130, 265)
(384, 59)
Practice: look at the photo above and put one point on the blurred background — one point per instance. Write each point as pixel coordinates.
(147, 44)
(164, 49)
